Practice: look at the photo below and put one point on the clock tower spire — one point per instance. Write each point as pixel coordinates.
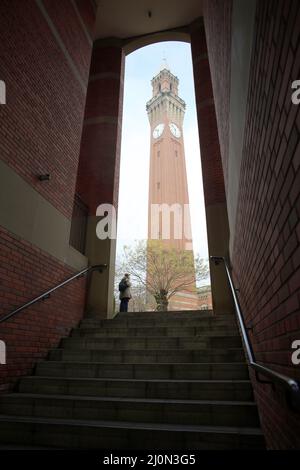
(165, 101)
(168, 180)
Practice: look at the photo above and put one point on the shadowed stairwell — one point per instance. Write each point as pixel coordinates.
(138, 381)
(179, 380)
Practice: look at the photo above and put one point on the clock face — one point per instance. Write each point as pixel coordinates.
(158, 131)
(175, 130)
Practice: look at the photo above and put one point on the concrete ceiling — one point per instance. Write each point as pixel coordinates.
(130, 18)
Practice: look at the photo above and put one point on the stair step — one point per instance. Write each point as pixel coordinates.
(79, 434)
(150, 331)
(158, 380)
(207, 371)
(160, 342)
(138, 388)
(153, 322)
(173, 411)
(201, 314)
(147, 356)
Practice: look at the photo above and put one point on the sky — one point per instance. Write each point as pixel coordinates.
(140, 67)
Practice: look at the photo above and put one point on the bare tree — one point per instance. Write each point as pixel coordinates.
(163, 271)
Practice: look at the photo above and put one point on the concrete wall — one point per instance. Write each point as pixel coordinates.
(243, 15)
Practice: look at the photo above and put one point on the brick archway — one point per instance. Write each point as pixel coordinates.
(99, 166)
(133, 44)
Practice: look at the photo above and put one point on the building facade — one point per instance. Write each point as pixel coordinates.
(205, 298)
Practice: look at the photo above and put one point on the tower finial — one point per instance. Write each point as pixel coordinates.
(164, 64)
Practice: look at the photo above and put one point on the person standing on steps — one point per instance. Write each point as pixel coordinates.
(125, 294)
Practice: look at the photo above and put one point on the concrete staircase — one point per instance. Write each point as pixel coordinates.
(176, 380)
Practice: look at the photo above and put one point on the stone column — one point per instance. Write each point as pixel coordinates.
(213, 179)
(98, 173)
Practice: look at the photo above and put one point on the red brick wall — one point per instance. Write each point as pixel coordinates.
(41, 124)
(213, 179)
(72, 33)
(217, 20)
(266, 256)
(30, 334)
(98, 181)
(40, 132)
(87, 11)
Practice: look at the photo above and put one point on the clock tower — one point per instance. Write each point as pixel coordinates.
(168, 180)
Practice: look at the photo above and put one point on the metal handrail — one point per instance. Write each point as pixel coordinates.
(291, 386)
(46, 295)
